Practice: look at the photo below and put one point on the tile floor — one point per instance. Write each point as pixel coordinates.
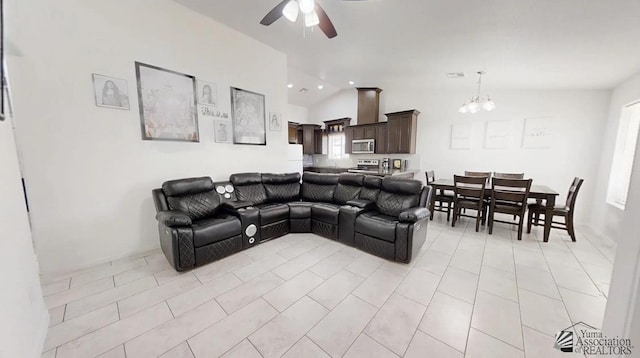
(468, 294)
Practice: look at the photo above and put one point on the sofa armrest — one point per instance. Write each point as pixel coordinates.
(362, 203)
(235, 205)
(414, 214)
(173, 218)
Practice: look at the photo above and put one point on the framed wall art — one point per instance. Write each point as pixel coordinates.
(538, 133)
(111, 92)
(461, 136)
(497, 135)
(248, 117)
(207, 93)
(275, 121)
(222, 131)
(167, 101)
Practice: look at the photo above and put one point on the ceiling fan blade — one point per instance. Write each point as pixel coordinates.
(325, 23)
(274, 14)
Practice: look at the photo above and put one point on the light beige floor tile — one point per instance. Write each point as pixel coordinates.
(599, 274)
(574, 279)
(246, 293)
(395, 323)
(423, 346)
(434, 261)
(150, 297)
(56, 315)
(55, 287)
(419, 286)
(364, 346)
(50, 278)
(257, 268)
(334, 290)
(340, 328)
(180, 351)
(543, 313)
(537, 281)
(302, 247)
(305, 348)
(139, 272)
(117, 352)
(291, 291)
(270, 247)
(331, 265)
(244, 349)
(447, 319)
(223, 267)
(530, 257)
(446, 243)
(498, 258)
(84, 278)
(90, 303)
(378, 287)
(72, 329)
(305, 261)
(77, 293)
(196, 296)
(459, 283)
(468, 259)
(398, 268)
(365, 265)
(584, 308)
(498, 317)
(498, 282)
(222, 336)
(352, 252)
(538, 345)
(117, 333)
(169, 334)
(49, 354)
(483, 346)
(277, 336)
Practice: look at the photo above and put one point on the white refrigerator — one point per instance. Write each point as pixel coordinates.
(294, 158)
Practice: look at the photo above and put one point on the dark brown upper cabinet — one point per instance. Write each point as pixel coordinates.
(318, 134)
(402, 131)
(293, 133)
(368, 105)
(308, 140)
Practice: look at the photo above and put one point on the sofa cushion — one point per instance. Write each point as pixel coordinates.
(398, 195)
(212, 230)
(318, 187)
(348, 187)
(271, 213)
(370, 188)
(281, 187)
(325, 212)
(299, 210)
(248, 187)
(187, 186)
(377, 225)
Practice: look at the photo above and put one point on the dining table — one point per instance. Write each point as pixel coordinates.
(538, 192)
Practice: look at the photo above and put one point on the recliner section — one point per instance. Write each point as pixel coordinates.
(386, 217)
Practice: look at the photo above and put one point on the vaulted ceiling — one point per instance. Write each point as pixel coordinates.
(521, 44)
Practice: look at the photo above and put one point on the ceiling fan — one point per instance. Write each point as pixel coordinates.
(313, 14)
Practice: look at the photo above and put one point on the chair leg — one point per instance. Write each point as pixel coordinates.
(570, 229)
(448, 210)
(529, 222)
(491, 213)
(478, 222)
(520, 226)
(455, 217)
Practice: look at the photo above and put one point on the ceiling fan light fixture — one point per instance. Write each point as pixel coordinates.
(290, 11)
(307, 6)
(311, 19)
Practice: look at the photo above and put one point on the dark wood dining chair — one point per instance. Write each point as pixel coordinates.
(509, 196)
(486, 175)
(441, 197)
(565, 210)
(508, 175)
(469, 194)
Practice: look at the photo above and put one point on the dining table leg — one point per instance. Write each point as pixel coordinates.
(432, 203)
(548, 216)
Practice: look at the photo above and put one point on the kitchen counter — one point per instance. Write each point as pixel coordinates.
(335, 170)
(383, 173)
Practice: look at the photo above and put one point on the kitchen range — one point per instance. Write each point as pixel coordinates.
(384, 167)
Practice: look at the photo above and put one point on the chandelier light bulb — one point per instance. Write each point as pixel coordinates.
(463, 108)
(307, 6)
(311, 19)
(290, 11)
(473, 106)
(489, 105)
(476, 103)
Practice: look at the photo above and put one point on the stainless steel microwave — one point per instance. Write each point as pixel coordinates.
(363, 146)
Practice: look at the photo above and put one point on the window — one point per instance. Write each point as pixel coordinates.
(623, 156)
(336, 146)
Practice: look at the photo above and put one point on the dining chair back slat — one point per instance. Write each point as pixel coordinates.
(508, 175)
(443, 199)
(509, 196)
(469, 194)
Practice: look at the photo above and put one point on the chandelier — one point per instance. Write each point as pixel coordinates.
(474, 104)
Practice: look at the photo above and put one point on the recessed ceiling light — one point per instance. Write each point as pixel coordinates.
(320, 87)
(351, 83)
(290, 85)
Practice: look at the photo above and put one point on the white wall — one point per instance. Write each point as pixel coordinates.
(607, 218)
(89, 175)
(24, 319)
(297, 114)
(579, 118)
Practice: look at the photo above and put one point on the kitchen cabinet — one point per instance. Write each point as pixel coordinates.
(358, 132)
(293, 133)
(317, 134)
(370, 132)
(308, 140)
(381, 138)
(402, 131)
(348, 137)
